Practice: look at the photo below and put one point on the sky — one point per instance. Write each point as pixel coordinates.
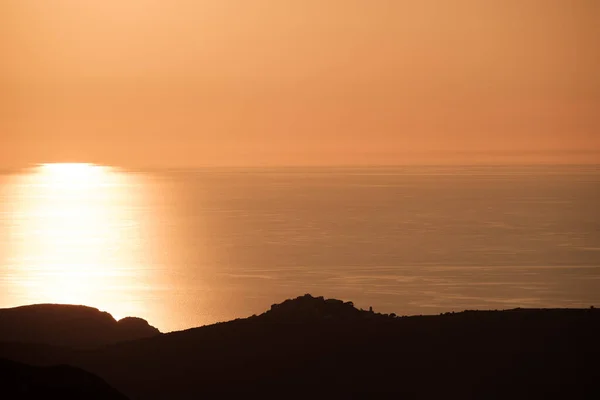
(186, 83)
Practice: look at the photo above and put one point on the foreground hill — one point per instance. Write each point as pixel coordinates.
(68, 325)
(312, 347)
(19, 382)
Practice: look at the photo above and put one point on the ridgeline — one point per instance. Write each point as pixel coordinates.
(325, 348)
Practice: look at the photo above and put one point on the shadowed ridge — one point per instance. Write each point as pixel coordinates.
(20, 381)
(69, 326)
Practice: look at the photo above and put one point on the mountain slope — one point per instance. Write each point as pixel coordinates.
(68, 325)
(19, 382)
(312, 347)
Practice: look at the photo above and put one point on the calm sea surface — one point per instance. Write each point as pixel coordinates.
(186, 248)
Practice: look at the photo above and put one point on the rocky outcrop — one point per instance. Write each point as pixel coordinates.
(308, 308)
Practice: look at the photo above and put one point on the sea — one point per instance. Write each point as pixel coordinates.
(190, 247)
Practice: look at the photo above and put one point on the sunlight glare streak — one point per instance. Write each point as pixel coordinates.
(76, 235)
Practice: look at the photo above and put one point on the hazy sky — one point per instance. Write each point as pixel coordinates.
(253, 82)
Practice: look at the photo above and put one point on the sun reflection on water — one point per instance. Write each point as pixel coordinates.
(76, 238)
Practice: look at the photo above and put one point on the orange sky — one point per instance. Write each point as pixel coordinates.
(265, 82)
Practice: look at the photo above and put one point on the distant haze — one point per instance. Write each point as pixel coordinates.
(188, 83)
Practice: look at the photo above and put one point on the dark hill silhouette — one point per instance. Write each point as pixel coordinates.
(317, 348)
(22, 382)
(68, 325)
